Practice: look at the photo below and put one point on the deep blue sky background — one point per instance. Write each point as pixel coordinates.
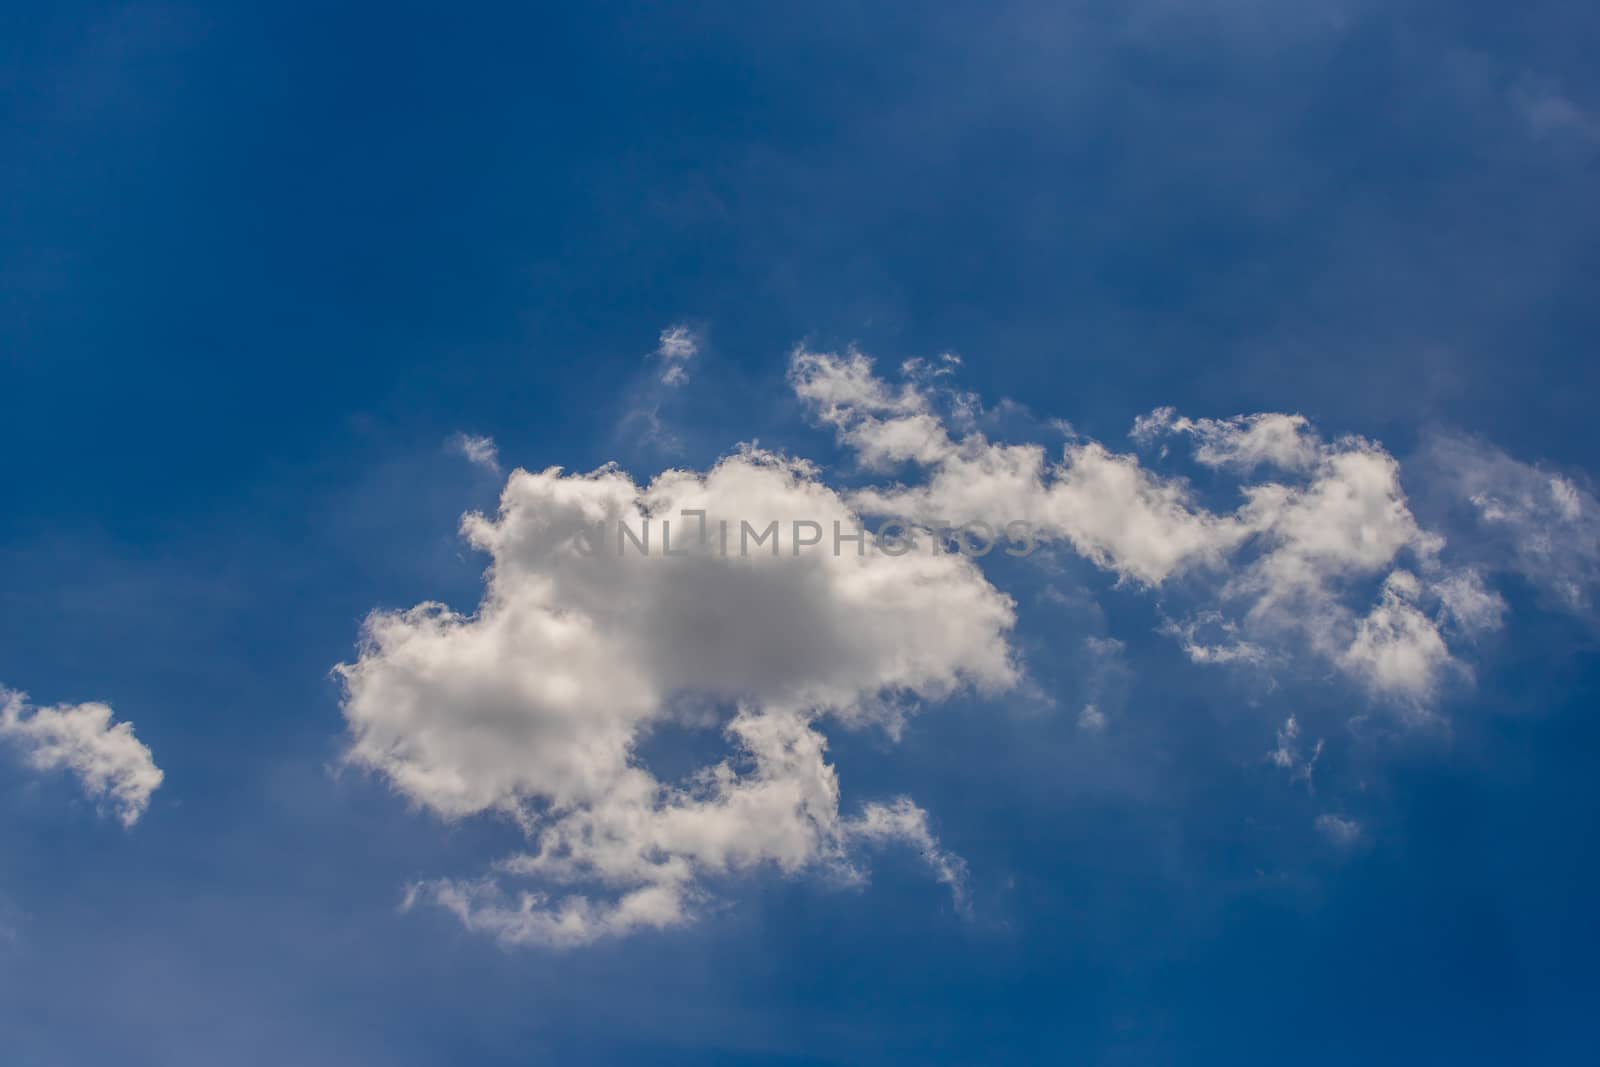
(258, 263)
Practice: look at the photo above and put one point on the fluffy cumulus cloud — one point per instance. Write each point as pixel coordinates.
(744, 598)
(535, 705)
(1317, 523)
(114, 766)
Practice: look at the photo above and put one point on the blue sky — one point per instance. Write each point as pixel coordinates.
(262, 267)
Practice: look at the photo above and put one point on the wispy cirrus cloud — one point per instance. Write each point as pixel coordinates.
(1532, 520)
(677, 346)
(1552, 115)
(478, 449)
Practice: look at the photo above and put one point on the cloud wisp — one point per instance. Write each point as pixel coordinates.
(675, 349)
(478, 450)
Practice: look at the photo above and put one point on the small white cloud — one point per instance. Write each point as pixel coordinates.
(1342, 831)
(1284, 754)
(110, 762)
(1536, 522)
(479, 450)
(677, 345)
(1105, 648)
(1470, 606)
(1549, 113)
(1105, 681)
(903, 821)
(883, 425)
(1242, 442)
(1091, 719)
(1287, 754)
(1209, 637)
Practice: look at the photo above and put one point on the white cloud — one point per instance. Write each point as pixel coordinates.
(534, 706)
(1339, 829)
(1468, 604)
(110, 762)
(1284, 567)
(676, 346)
(1397, 649)
(1243, 442)
(885, 427)
(903, 821)
(1112, 511)
(479, 450)
(1104, 682)
(1549, 113)
(1321, 541)
(1288, 753)
(1209, 637)
(1537, 522)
